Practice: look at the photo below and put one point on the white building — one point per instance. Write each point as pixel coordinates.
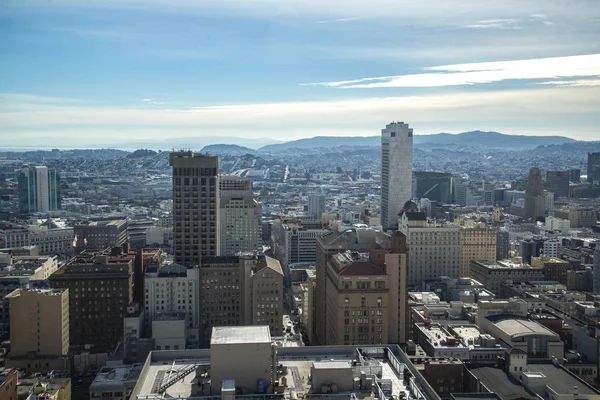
(174, 288)
(51, 238)
(548, 202)
(316, 205)
(240, 216)
(551, 247)
(557, 224)
(295, 244)
(396, 171)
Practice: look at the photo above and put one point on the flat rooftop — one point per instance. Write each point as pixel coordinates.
(108, 376)
(519, 327)
(240, 334)
(114, 222)
(466, 332)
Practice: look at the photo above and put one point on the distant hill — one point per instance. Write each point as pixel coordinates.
(494, 140)
(228, 149)
(142, 153)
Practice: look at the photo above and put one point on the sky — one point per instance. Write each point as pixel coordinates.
(77, 72)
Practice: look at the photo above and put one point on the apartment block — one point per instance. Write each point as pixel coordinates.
(101, 286)
(579, 217)
(478, 243)
(492, 274)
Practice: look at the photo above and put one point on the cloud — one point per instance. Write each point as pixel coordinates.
(329, 21)
(508, 23)
(538, 110)
(478, 73)
(579, 82)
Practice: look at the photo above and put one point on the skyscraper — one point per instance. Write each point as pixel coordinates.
(39, 190)
(396, 171)
(596, 270)
(240, 216)
(435, 186)
(195, 206)
(558, 183)
(534, 195)
(316, 205)
(593, 169)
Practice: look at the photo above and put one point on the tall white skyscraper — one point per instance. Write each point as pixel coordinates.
(39, 189)
(396, 171)
(316, 205)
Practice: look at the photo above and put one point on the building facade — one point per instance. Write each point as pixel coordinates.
(240, 217)
(101, 234)
(396, 171)
(435, 186)
(39, 190)
(39, 322)
(555, 269)
(534, 195)
(593, 168)
(478, 243)
(558, 183)
(195, 207)
(316, 205)
(492, 274)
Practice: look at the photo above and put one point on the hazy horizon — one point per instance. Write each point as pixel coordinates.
(80, 73)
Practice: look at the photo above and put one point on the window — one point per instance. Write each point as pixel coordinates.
(363, 301)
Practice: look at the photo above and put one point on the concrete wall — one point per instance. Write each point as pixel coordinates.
(169, 334)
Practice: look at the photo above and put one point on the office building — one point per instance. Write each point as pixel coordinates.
(240, 216)
(575, 175)
(328, 244)
(557, 224)
(240, 290)
(558, 183)
(435, 249)
(295, 241)
(316, 205)
(396, 171)
(554, 268)
(551, 247)
(39, 190)
(196, 210)
(39, 322)
(98, 235)
(101, 287)
(492, 274)
(596, 270)
(531, 248)
(534, 195)
(173, 288)
(502, 244)
(593, 168)
(578, 217)
(435, 186)
(50, 237)
(478, 243)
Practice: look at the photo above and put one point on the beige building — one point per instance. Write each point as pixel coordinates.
(39, 322)
(435, 249)
(240, 290)
(367, 295)
(555, 269)
(579, 217)
(40, 267)
(478, 243)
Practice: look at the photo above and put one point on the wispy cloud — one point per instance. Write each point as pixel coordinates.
(577, 82)
(508, 23)
(330, 21)
(478, 73)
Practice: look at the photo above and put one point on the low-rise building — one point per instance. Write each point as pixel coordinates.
(492, 274)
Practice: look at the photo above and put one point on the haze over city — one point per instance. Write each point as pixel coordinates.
(95, 72)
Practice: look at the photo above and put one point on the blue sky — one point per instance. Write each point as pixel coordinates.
(76, 72)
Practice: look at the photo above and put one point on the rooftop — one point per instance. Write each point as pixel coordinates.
(240, 334)
(43, 292)
(108, 376)
(517, 327)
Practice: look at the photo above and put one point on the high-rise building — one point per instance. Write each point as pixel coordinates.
(195, 207)
(240, 290)
(593, 168)
(435, 186)
(316, 205)
(396, 171)
(575, 175)
(367, 295)
(240, 216)
(39, 190)
(558, 183)
(39, 322)
(578, 217)
(99, 235)
(101, 286)
(173, 288)
(478, 243)
(596, 270)
(295, 241)
(502, 244)
(530, 248)
(534, 195)
(435, 249)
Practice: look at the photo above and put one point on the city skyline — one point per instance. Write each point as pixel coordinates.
(97, 72)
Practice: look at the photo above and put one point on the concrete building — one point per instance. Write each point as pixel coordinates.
(396, 171)
(240, 216)
(39, 322)
(101, 287)
(244, 359)
(435, 186)
(367, 295)
(478, 243)
(593, 168)
(579, 217)
(551, 247)
(596, 270)
(240, 290)
(296, 242)
(557, 224)
(492, 274)
(39, 190)
(558, 183)
(169, 331)
(8, 384)
(101, 234)
(534, 195)
(531, 248)
(435, 249)
(555, 269)
(196, 210)
(115, 383)
(316, 205)
(50, 238)
(502, 244)
(173, 288)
